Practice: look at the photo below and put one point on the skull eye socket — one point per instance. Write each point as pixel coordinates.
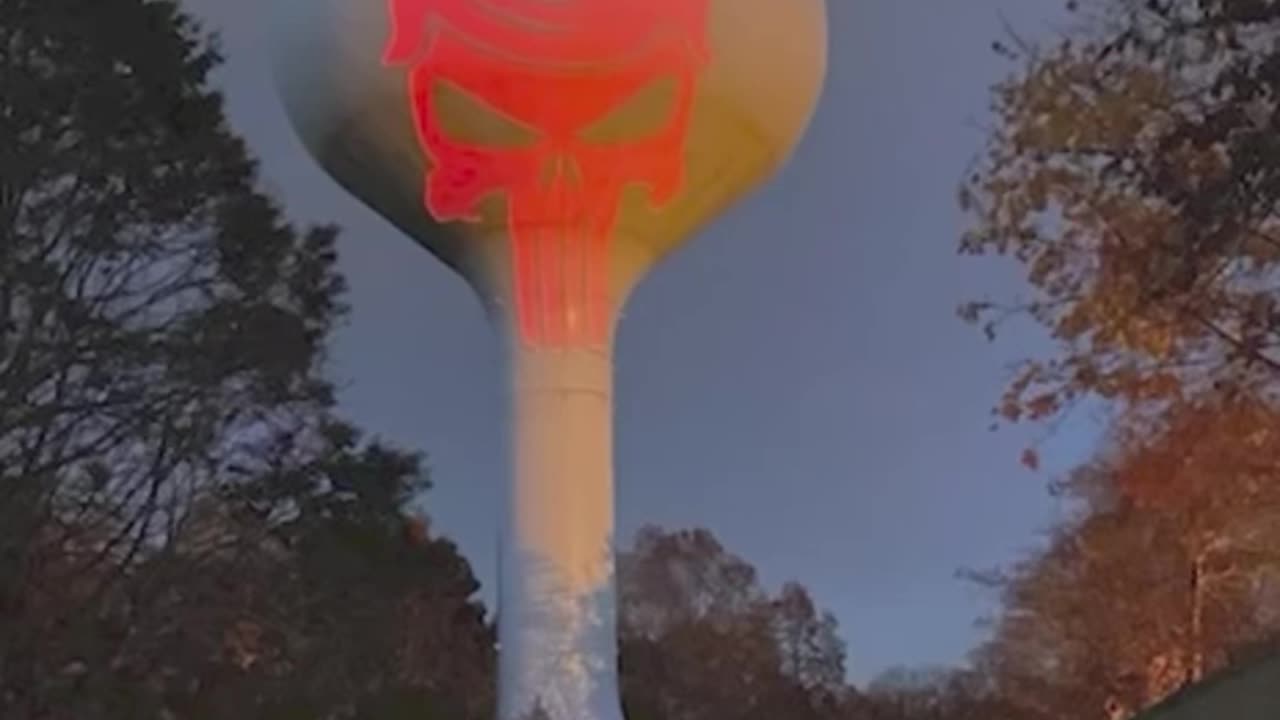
(467, 119)
(646, 112)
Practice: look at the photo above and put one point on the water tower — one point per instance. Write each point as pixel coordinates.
(551, 152)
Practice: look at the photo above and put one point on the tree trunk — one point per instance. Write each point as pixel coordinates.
(1195, 668)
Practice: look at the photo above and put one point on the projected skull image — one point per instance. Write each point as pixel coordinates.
(557, 107)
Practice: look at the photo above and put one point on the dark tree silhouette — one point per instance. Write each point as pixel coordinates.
(702, 639)
(185, 526)
(160, 323)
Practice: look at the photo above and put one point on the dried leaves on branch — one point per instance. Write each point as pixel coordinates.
(1134, 174)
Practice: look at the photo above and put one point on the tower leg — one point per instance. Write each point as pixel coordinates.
(556, 621)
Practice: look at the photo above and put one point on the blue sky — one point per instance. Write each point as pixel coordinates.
(796, 380)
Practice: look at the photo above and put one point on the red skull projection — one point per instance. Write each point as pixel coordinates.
(555, 68)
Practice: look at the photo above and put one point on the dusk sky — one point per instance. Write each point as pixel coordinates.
(796, 380)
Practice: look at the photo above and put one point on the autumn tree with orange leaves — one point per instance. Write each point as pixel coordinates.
(1133, 173)
(1167, 571)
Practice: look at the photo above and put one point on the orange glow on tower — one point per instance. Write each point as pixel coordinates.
(561, 76)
